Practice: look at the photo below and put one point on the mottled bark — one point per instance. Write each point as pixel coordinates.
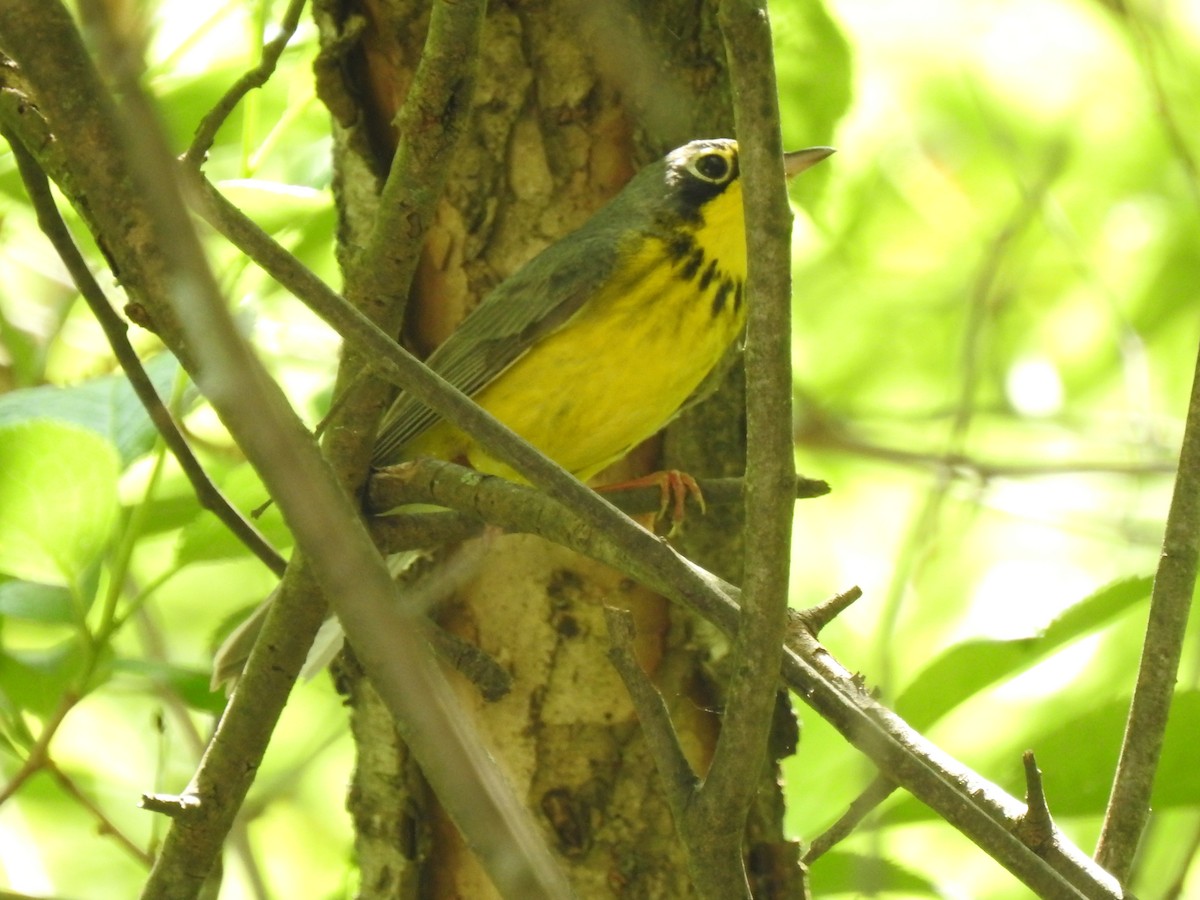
(572, 98)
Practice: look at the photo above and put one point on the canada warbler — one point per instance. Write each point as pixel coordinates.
(596, 343)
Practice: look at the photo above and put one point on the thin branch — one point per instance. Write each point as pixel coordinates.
(714, 824)
(965, 465)
(1174, 583)
(105, 824)
(389, 486)
(678, 780)
(39, 753)
(1176, 133)
(860, 807)
(973, 805)
(207, 493)
(1170, 603)
(206, 132)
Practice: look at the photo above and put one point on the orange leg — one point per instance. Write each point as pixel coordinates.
(675, 487)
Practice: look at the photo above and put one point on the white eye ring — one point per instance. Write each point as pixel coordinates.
(712, 167)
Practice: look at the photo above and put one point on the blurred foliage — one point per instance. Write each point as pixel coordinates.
(996, 327)
(995, 333)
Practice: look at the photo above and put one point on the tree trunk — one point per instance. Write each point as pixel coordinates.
(572, 98)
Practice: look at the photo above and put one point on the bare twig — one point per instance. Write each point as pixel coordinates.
(979, 809)
(173, 806)
(972, 467)
(388, 486)
(678, 779)
(105, 825)
(258, 76)
(1144, 34)
(1170, 603)
(1036, 826)
(872, 795)
(817, 617)
(39, 753)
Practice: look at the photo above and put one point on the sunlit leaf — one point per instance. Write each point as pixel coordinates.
(107, 406)
(36, 680)
(189, 684)
(1078, 757)
(1078, 773)
(36, 602)
(972, 666)
(839, 872)
(814, 73)
(58, 500)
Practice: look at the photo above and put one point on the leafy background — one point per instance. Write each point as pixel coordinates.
(996, 324)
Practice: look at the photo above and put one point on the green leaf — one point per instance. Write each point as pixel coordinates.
(58, 501)
(108, 406)
(813, 67)
(36, 602)
(968, 668)
(839, 872)
(37, 679)
(24, 356)
(190, 685)
(1078, 756)
(276, 207)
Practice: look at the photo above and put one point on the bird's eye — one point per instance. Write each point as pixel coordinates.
(712, 167)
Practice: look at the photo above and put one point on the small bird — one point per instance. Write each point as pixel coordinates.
(599, 341)
(595, 344)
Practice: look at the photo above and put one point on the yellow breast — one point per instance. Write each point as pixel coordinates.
(621, 367)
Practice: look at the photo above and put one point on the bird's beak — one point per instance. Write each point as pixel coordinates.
(798, 160)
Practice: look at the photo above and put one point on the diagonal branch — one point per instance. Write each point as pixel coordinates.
(1170, 603)
(678, 779)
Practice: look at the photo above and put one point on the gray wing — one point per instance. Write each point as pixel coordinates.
(537, 300)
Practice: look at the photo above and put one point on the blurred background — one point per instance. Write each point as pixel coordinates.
(996, 323)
